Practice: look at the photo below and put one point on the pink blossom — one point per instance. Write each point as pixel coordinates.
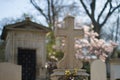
(104, 54)
(94, 46)
(113, 44)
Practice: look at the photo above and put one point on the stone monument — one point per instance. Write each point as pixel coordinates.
(115, 65)
(69, 33)
(9, 71)
(25, 46)
(98, 70)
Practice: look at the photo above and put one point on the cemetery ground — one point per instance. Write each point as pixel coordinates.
(25, 54)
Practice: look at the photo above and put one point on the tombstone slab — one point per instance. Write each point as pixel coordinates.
(98, 70)
(9, 71)
(60, 72)
(115, 69)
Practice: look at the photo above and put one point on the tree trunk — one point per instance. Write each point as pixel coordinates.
(97, 28)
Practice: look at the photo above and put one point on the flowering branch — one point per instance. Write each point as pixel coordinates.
(90, 45)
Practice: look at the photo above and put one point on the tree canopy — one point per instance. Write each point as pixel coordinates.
(104, 12)
(54, 9)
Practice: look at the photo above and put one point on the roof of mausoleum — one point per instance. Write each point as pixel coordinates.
(27, 24)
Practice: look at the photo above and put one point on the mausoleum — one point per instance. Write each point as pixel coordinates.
(25, 46)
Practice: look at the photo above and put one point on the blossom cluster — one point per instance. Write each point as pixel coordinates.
(91, 45)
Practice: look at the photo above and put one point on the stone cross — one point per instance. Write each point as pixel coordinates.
(69, 33)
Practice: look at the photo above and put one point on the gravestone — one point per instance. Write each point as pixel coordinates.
(98, 70)
(69, 61)
(25, 45)
(115, 65)
(10, 71)
(115, 69)
(69, 33)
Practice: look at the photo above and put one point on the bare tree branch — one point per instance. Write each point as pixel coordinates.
(39, 9)
(109, 14)
(115, 8)
(99, 16)
(97, 24)
(83, 4)
(93, 8)
(53, 12)
(117, 29)
(49, 11)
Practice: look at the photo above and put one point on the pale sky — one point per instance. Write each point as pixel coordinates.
(16, 8)
(12, 8)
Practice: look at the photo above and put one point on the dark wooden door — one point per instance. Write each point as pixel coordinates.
(27, 58)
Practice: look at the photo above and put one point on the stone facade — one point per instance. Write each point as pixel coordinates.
(26, 35)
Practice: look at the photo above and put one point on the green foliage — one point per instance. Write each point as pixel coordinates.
(50, 49)
(50, 43)
(59, 55)
(86, 66)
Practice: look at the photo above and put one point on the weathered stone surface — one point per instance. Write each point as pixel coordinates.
(26, 36)
(69, 61)
(98, 70)
(10, 71)
(114, 69)
(69, 33)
